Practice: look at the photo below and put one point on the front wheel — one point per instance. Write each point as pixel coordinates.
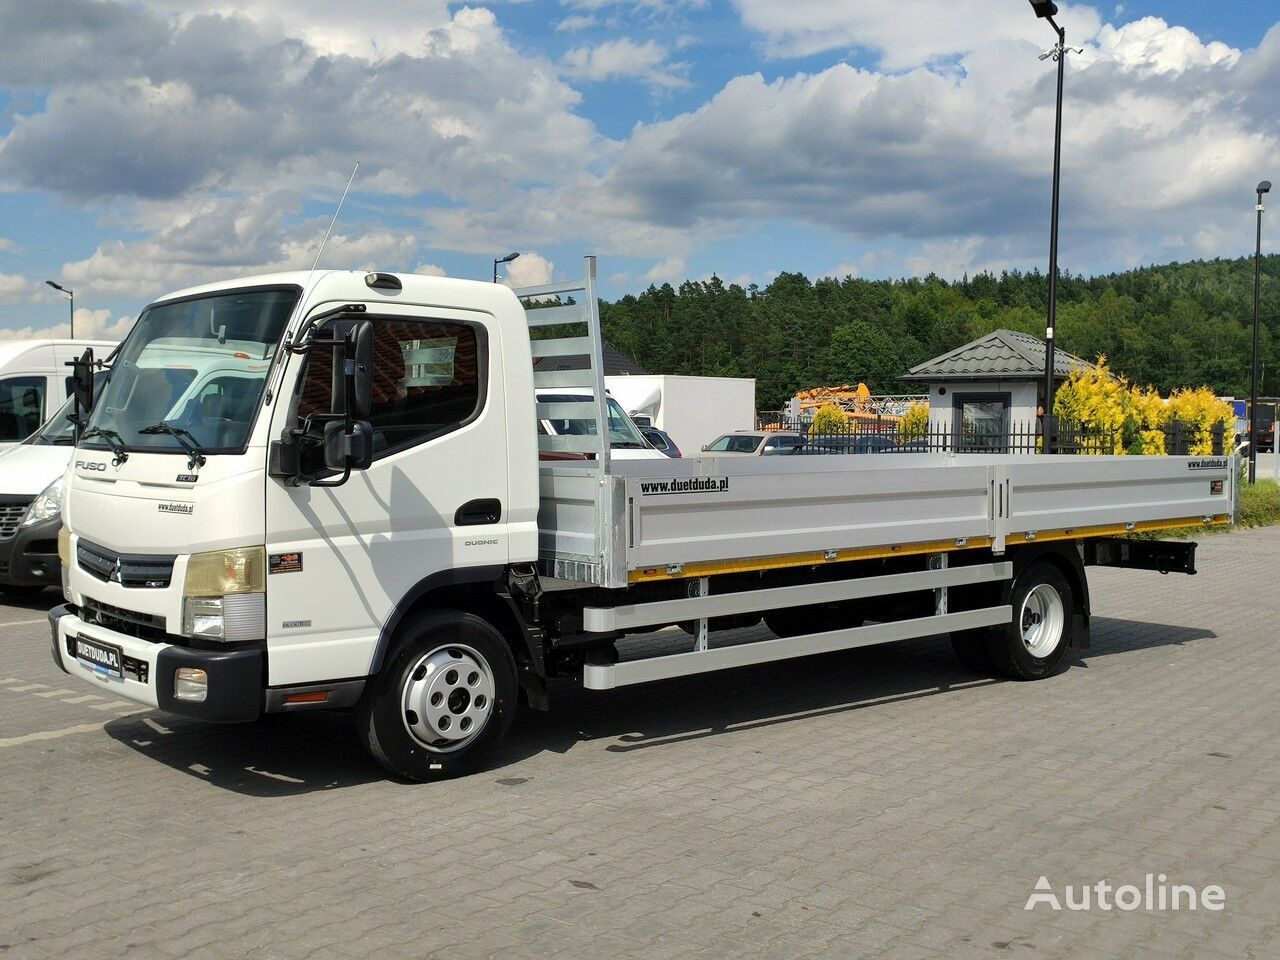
(444, 700)
(1033, 645)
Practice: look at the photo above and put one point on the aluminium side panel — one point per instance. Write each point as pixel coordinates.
(1069, 492)
(714, 510)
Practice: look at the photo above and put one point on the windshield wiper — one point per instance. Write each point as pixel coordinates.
(112, 440)
(184, 437)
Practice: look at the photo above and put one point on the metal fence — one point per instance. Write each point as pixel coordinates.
(886, 435)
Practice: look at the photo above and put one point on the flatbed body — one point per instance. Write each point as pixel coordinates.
(640, 521)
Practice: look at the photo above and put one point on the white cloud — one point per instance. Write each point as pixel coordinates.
(528, 270)
(575, 22)
(19, 289)
(1151, 44)
(625, 59)
(90, 325)
(905, 35)
(1160, 131)
(671, 270)
(8, 246)
(376, 29)
(429, 270)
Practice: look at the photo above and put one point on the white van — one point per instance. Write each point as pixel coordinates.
(35, 380)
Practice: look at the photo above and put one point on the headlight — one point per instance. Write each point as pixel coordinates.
(221, 573)
(47, 505)
(224, 595)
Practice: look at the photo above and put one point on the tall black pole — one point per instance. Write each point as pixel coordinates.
(73, 314)
(1253, 378)
(1061, 56)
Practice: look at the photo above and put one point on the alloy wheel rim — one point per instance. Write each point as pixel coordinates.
(448, 698)
(1042, 619)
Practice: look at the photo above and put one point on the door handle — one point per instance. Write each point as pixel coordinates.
(478, 513)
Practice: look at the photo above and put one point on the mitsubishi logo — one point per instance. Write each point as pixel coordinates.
(115, 574)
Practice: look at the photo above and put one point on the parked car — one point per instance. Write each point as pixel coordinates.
(857, 443)
(753, 443)
(660, 440)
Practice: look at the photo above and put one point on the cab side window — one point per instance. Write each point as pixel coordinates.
(21, 407)
(428, 380)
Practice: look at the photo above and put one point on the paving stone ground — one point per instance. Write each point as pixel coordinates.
(876, 803)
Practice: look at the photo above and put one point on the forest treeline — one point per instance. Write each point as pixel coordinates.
(1177, 325)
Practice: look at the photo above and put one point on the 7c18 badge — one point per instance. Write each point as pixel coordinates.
(284, 563)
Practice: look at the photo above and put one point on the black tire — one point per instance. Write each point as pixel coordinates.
(970, 647)
(381, 713)
(1006, 648)
(817, 618)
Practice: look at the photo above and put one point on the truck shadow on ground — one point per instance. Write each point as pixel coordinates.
(309, 752)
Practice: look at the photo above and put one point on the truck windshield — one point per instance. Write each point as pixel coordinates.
(199, 365)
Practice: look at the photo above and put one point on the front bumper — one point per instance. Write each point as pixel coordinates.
(30, 557)
(236, 677)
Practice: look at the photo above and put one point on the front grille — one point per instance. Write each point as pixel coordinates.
(126, 569)
(12, 510)
(144, 626)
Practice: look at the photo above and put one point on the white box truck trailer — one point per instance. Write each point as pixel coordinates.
(693, 410)
(356, 515)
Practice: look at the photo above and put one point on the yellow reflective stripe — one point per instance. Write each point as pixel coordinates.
(711, 568)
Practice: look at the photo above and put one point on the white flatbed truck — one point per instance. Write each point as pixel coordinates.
(367, 517)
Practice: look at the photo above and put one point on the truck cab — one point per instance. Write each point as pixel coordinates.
(181, 529)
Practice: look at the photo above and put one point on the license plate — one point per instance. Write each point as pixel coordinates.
(102, 658)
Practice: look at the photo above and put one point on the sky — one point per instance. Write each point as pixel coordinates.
(149, 145)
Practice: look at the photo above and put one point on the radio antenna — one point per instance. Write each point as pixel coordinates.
(350, 180)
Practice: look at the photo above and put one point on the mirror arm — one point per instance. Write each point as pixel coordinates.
(346, 475)
(302, 343)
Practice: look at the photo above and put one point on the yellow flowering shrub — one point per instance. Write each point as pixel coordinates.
(915, 422)
(1199, 410)
(829, 419)
(1098, 400)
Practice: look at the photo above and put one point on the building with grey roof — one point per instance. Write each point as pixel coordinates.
(985, 387)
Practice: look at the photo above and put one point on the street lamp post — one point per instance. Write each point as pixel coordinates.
(507, 259)
(58, 286)
(1046, 9)
(1263, 187)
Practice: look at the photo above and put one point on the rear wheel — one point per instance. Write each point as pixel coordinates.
(1033, 645)
(444, 700)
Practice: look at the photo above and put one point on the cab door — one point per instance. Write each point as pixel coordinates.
(341, 557)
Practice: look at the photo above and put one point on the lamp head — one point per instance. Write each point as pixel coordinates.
(1044, 8)
(510, 256)
(1264, 187)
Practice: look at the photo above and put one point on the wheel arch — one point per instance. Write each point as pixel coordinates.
(470, 589)
(1065, 556)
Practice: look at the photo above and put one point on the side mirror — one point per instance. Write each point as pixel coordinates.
(82, 381)
(706, 446)
(360, 363)
(352, 376)
(348, 451)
